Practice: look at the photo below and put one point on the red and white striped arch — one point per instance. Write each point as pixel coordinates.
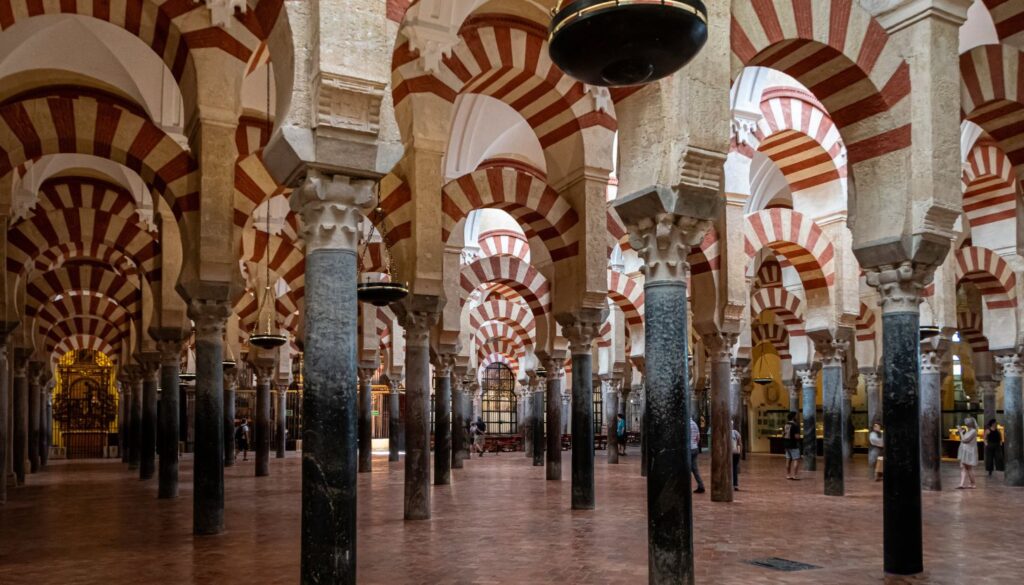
(498, 358)
(83, 327)
(769, 273)
(65, 252)
(508, 242)
(992, 95)
(842, 55)
(79, 306)
(991, 274)
(110, 348)
(799, 239)
(75, 192)
(990, 188)
(543, 213)
(510, 271)
(1008, 17)
(515, 314)
(970, 326)
(628, 294)
(493, 330)
(774, 334)
(82, 279)
(784, 304)
(866, 322)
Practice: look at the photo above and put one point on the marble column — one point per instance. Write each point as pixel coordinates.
(460, 418)
(611, 412)
(331, 226)
(1013, 410)
(644, 453)
(135, 420)
(4, 428)
(899, 291)
(581, 329)
(417, 324)
(719, 347)
(20, 415)
(183, 416)
(170, 363)
(566, 411)
(873, 390)
(230, 396)
(147, 427)
(987, 389)
(210, 319)
(123, 399)
(525, 405)
(366, 418)
(394, 421)
(47, 437)
(443, 419)
(832, 352)
(34, 405)
(931, 420)
(793, 395)
(848, 430)
(810, 416)
(281, 422)
(737, 373)
(538, 424)
(554, 365)
(261, 436)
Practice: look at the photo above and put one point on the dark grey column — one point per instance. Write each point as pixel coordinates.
(264, 375)
(848, 430)
(460, 419)
(184, 424)
(417, 324)
(538, 426)
(394, 422)
(230, 394)
(281, 433)
(443, 420)
(47, 428)
(736, 375)
(644, 443)
(901, 367)
(555, 374)
(147, 428)
(135, 419)
(210, 319)
(34, 405)
(366, 419)
(20, 414)
(810, 422)
(526, 420)
(987, 389)
(4, 428)
(793, 395)
(719, 346)
(832, 353)
(931, 420)
(581, 329)
(1013, 410)
(170, 360)
(873, 389)
(124, 399)
(611, 412)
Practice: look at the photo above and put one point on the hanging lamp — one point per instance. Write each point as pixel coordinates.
(383, 292)
(626, 42)
(928, 331)
(762, 380)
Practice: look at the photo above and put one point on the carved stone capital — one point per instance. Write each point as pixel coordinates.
(664, 242)
(432, 38)
(719, 345)
(900, 287)
(832, 352)
(264, 373)
(417, 325)
(444, 364)
(553, 363)
(170, 351)
(331, 209)
(210, 318)
(807, 377)
(871, 382)
(1011, 364)
(737, 374)
(931, 362)
(987, 387)
(366, 374)
(581, 328)
(150, 363)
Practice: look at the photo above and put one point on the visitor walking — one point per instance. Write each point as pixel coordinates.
(737, 452)
(876, 449)
(620, 434)
(993, 447)
(477, 431)
(968, 454)
(694, 452)
(791, 445)
(242, 439)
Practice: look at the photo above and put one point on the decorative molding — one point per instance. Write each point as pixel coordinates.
(807, 377)
(701, 169)
(433, 39)
(331, 211)
(664, 242)
(743, 127)
(222, 12)
(900, 287)
(832, 352)
(1011, 364)
(931, 362)
(602, 98)
(347, 103)
(211, 319)
(580, 329)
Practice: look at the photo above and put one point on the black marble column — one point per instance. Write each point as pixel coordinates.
(832, 408)
(230, 394)
(366, 420)
(669, 499)
(901, 500)
(555, 374)
(443, 421)
(459, 418)
(394, 422)
(208, 476)
(135, 420)
(170, 360)
(810, 423)
(873, 389)
(183, 418)
(611, 411)
(262, 435)
(581, 329)
(1013, 409)
(47, 433)
(34, 404)
(417, 326)
(931, 420)
(4, 429)
(524, 403)
(147, 428)
(538, 428)
(281, 423)
(124, 399)
(719, 346)
(645, 420)
(987, 389)
(20, 422)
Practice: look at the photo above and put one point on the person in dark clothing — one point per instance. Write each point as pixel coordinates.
(993, 447)
(242, 439)
(791, 444)
(620, 434)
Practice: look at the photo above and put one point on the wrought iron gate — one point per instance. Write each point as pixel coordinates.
(85, 404)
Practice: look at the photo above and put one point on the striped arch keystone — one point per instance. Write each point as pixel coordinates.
(784, 304)
(799, 239)
(991, 274)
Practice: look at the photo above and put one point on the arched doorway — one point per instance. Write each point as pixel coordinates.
(84, 404)
(499, 402)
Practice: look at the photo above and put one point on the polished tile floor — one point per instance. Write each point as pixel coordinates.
(500, 522)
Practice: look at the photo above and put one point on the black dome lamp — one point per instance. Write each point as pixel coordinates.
(626, 42)
(383, 292)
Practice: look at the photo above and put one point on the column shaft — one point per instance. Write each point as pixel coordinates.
(47, 430)
(281, 436)
(721, 426)
(34, 393)
(230, 393)
(4, 428)
(459, 423)
(366, 423)
(20, 426)
(582, 432)
(554, 423)
(123, 400)
(208, 474)
(611, 412)
(931, 422)
(168, 436)
(988, 398)
(526, 421)
(262, 434)
(443, 426)
(538, 429)
(147, 428)
(394, 423)
(135, 424)
(810, 427)
(832, 395)
(1013, 410)
(417, 431)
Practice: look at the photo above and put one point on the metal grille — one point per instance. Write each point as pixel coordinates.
(85, 404)
(499, 405)
(785, 565)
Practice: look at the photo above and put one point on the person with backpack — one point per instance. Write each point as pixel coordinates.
(242, 439)
(791, 444)
(737, 452)
(620, 434)
(478, 432)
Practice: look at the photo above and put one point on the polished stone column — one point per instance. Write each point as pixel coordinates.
(460, 418)
(611, 411)
(581, 329)
(555, 374)
(34, 405)
(525, 406)
(848, 430)
(210, 319)
(264, 376)
(281, 422)
(931, 420)
(47, 426)
(899, 297)
(793, 395)
(873, 389)
(230, 395)
(123, 400)
(4, 428)
(170, 363)
(832, 352)
(443, 419)
(183, 416)
(987, 389)
(1013, 410)
(366, 418)
(135, 419)
(394, 421)
(20, 415)
(644, 423)
(147, 428)
(331, 227)
(538, 424)
(737, 373)
(719, 347)
(810, 422)
(417, 324)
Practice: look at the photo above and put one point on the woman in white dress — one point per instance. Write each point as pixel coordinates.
(968, 454)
